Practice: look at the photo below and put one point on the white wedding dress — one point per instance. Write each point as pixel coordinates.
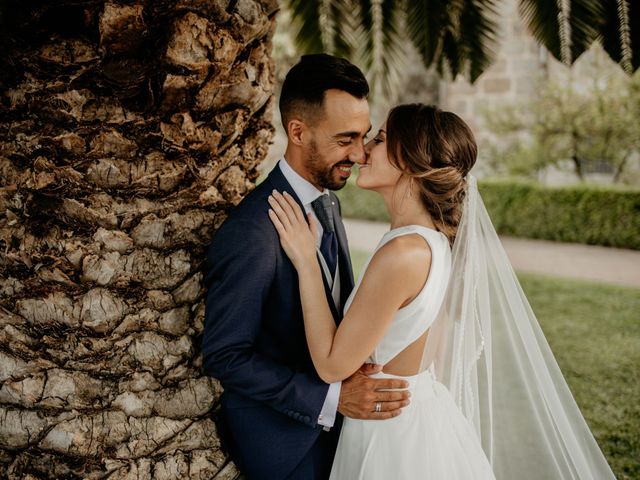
(431, 439)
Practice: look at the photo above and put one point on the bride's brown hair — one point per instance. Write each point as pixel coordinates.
(437, 149)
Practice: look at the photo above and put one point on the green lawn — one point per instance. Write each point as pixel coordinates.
(594, 331)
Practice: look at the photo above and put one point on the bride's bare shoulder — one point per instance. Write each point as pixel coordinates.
(411, 246)
(406, 255)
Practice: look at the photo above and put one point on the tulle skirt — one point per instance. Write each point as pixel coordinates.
(430, 440)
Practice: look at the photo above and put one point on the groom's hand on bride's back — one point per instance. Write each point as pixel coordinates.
(359, 395)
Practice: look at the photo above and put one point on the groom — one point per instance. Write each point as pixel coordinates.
(279, 420)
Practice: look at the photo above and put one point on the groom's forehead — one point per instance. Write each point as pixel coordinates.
(339, 102)
(346, 113)
(352, 133)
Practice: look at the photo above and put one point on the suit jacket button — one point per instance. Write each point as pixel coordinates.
(307, 419)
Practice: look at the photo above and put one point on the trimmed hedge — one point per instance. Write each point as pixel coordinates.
(356, 202)
(587, 214)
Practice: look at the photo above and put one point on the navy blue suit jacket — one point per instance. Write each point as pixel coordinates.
(254, 340)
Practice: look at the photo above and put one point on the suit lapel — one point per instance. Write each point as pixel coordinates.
(280, 183)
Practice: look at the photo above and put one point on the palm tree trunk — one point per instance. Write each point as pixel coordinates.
(128, 131)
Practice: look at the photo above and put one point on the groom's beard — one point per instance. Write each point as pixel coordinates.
(326, 176)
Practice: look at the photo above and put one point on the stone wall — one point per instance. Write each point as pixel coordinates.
(519, 68)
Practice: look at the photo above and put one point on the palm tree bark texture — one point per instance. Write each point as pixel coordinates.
(128, 131)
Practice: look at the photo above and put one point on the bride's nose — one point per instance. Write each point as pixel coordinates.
(367, 149)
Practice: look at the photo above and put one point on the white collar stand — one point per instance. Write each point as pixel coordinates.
(305, 191)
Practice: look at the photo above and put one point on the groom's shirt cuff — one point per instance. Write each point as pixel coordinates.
(330, 407)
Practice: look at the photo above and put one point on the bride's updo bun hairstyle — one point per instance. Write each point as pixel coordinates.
(436, 149)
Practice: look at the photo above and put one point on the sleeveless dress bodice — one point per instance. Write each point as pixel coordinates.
(412, 320)
(431, 439)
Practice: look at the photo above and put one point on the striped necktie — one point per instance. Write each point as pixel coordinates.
(329, 242)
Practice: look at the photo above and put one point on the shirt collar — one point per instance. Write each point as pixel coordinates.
(305, 191)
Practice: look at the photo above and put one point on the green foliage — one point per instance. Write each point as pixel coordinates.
(364, 204)
(584, 128)
(581, 214)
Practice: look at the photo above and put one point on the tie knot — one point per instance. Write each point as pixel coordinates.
(322, 208)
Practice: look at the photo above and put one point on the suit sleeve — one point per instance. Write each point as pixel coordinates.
(239, 272)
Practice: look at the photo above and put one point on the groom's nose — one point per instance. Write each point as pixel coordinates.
(357, 155)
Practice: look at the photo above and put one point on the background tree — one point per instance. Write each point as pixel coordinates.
(592, 128)
(128, 130)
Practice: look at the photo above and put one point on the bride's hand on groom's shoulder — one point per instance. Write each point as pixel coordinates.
(297, 233)
(366, 398)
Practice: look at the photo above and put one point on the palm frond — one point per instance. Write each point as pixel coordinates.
(394, 44)
(451, 56)
(327, 21)
(305, 15)
(613, 29)
(367, 32)
(541, 17)
(351, 35)
(426, 22)
(384, 54)
(564, 30)
(460, 35)
(478, 35)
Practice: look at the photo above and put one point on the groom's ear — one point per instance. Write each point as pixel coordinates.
(297, 132)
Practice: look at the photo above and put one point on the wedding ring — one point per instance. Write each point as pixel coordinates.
(378, 407)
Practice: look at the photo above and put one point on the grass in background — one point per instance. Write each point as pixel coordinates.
(594, 332)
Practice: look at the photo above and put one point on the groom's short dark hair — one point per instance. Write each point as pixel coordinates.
(304, 86)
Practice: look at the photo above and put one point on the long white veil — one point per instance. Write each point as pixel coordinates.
(486, 346)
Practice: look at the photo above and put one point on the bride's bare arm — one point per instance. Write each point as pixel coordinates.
(395, 275)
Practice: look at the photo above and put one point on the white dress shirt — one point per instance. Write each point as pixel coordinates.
(307, 193)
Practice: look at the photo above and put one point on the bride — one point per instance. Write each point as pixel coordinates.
(438, 305)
